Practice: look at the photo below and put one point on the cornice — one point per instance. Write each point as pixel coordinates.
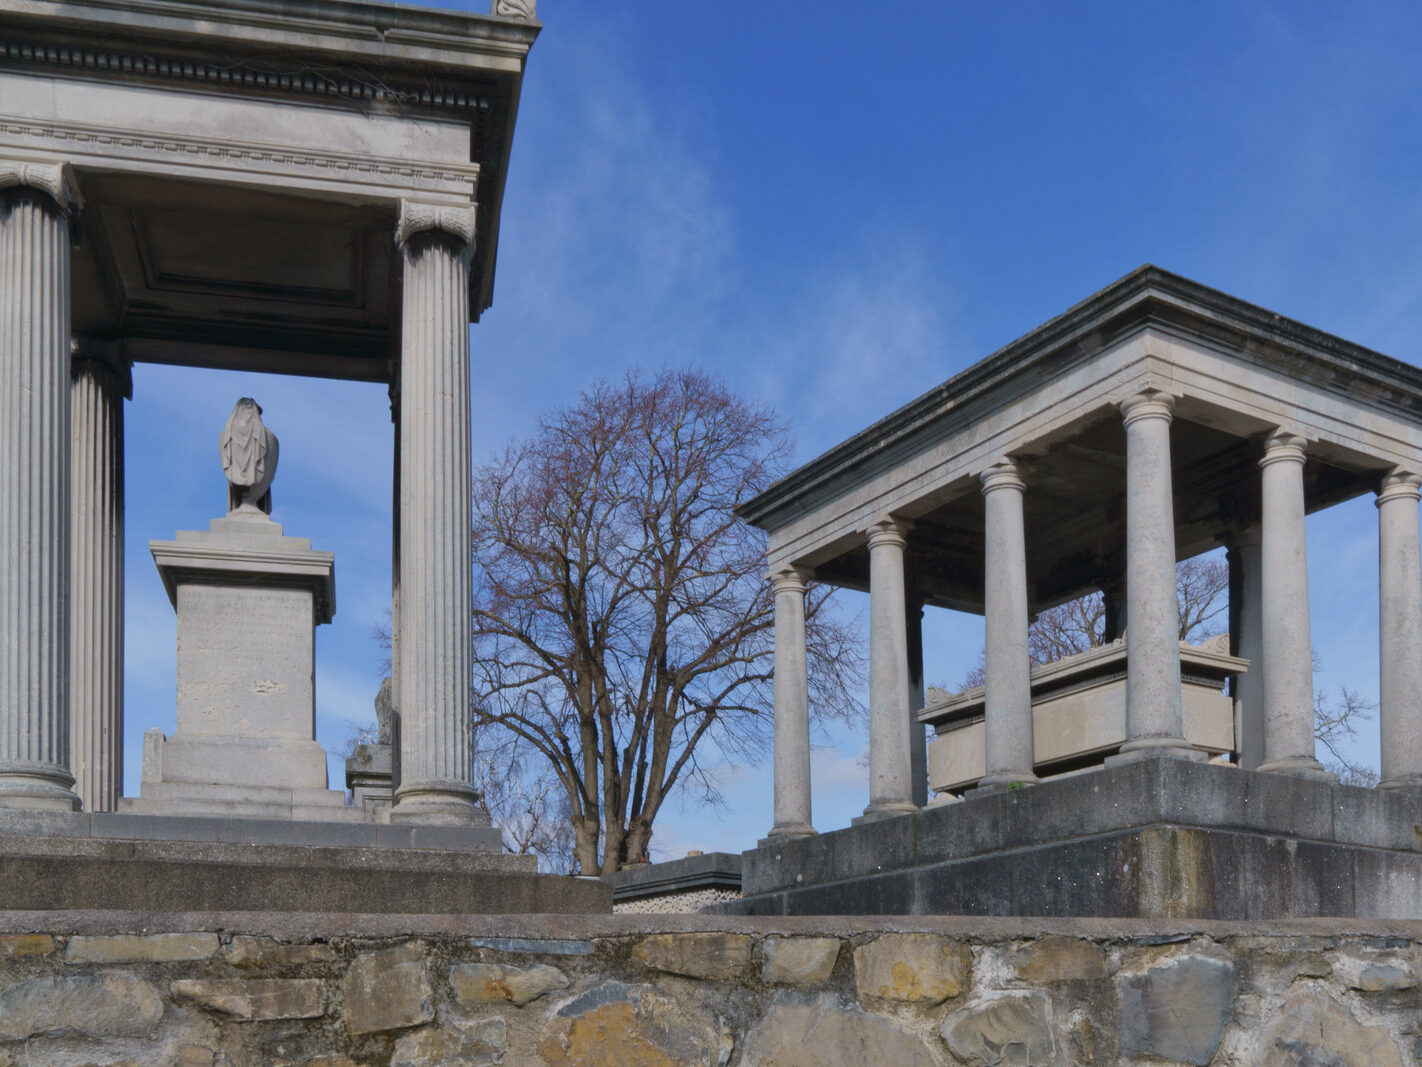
(1146, 298)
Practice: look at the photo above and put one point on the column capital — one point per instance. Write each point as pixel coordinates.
(888, 531)
(1147, 404)
(1001, 475)
(1399, 485)
(106, 359)
(789, 579)
(55, 180)
(418, 216)
(1284, 445)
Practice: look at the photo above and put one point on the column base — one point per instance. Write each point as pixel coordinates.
(1140, 748)
(36, 790)
(1407, 783)
(438, 804)
(1004, 780)
(791, 829)
(1300, 766)
(888, 809)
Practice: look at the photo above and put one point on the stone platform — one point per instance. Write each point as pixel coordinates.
(1160, 837)
(113, 861)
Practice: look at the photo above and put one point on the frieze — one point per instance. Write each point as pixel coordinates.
(374, 169)
(309, 81)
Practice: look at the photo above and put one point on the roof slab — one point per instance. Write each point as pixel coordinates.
(242, 164)
(1049, 400)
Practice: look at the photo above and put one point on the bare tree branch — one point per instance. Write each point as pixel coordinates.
(622, 617)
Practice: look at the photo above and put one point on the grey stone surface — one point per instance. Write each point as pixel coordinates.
(715, 956)
(1311, 1027)
(825, 1033)
(1178, 1010)
(799, 961)
(101, 1006)
(1156, 837)
(254, 999)
(249, 452)
(1011, 1028)
(132, 948)
(483, 1045)
(388, 990)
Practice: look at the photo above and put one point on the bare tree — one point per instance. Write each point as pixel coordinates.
(622, 617)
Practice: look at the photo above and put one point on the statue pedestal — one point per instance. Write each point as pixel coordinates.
(248, 600)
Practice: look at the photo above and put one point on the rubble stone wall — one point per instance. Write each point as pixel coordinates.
(238, 988)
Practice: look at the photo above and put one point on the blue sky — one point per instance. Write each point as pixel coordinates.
(837, 206)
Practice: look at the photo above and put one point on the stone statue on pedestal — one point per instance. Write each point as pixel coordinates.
(249, 458)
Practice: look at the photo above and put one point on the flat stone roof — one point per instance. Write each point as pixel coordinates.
(1147, 298)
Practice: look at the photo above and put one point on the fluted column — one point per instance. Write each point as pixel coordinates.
(1247, 640)
(890, 785)
(1287, 645)
(436, 595)
(792, 708)
(1007, 667)
(35, 207)
(1155, 717)
(393, 739)
(101, 383)
(1400, 631)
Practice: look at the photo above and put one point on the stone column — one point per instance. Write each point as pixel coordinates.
(393, 737)
(101, 383)
(890, 786)
(436, 595)
(792, 708)
(36, 203)
(1246, 627)
(1400, 631)
(918, 737)
(1007, 696)
(1287, 646)
(1155, 718)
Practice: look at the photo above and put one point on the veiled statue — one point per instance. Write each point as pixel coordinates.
(249, 458)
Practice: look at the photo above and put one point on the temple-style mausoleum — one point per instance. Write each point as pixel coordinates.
(1154, 421)
(305, 187)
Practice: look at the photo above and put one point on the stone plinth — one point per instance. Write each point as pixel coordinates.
(248, 599)
(370, 778)
(1155, 838)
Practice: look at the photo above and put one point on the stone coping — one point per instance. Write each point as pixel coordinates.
(711, 869)
(119, 826)
(539, 930)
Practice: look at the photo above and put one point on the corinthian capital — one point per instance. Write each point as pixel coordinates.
(55, 180)
(419, 217)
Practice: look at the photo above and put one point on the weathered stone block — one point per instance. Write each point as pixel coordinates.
(911, 969)
(266, 952)
(132, 948)
(494, 983)
(388, 990)
(825, 1033)
(1311, 1027)
(1178, 1010)
(1061, 959)
(481, 1045)
(799, 960)
(629, 1026)
(114, 1005)
(715, 956)
(15, 946)
(1015, 1028)
(254, 998)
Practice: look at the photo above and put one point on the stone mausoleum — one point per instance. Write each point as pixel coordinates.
(1154, 421)
(287, 186)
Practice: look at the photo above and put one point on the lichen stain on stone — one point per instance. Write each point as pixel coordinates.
(909, 985)
(607, 1034)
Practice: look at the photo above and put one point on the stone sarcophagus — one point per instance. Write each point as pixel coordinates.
(1079, 713)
